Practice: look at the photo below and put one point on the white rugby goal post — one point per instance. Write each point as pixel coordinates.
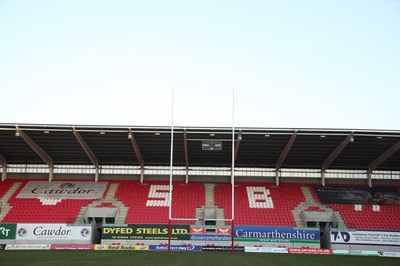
(232, 219)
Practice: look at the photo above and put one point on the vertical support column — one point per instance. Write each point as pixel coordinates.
(4, 174)
(323, 178)
(369, 179)
(277, 177)
(141, 175)
(187, 175)
(96, 176)
(51, 173)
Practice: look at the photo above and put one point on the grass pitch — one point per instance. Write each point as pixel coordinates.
(150, 258)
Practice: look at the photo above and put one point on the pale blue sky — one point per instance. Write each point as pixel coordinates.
(294, 64)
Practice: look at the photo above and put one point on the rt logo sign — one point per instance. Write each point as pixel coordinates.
(341, 236)
(4, 231)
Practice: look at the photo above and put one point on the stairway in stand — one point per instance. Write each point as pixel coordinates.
(5, 206)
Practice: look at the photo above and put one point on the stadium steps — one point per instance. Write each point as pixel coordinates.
(11, 191)
(4, 209)
(209, 202)
(112, 190)
(200, 216)
(302, 206)
(341, 223)
(5, 206)
(308, 195)
(109, 198)
(122, 208)
(220, 215)
(310, 201)
(297, 217)
(80, 218)
(123, 212)
(209, 193)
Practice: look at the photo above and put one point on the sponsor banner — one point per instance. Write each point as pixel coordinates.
(313, 251)
(275, 234)
(72, 246)
(7, 231)
(52, 232)
(363, 253)
(379, 238)
(63, 190)
(28, 246)
(175, 248)
(146, 232)
(210, 237)
(121, 247)
(223, 231)
(197, 231)
(340, 252)
(222, 248)
(388, 254)
(265, 250)
(3, 246)
(359, 195)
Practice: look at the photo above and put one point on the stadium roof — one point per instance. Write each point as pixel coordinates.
(207, 147)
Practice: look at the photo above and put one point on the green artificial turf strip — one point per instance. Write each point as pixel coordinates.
(120, 258)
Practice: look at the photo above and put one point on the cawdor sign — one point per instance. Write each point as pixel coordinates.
(63, 190)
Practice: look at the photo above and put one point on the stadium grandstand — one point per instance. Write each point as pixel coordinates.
(317, 179)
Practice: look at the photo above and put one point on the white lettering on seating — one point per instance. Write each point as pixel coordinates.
(158, 196)
(259, 198)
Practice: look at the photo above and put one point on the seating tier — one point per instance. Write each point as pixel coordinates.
(284, 198)
(153, 209)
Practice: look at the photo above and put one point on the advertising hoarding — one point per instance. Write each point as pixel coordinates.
(312, 251)
(121, 247)
(359, 195)
(175, 248)
(276, 234)
(53, 232)
(366, 237)
(146, 232)
(7, 231)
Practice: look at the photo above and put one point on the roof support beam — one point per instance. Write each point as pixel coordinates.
(3, 162)
(237, 144)
(286, 150)
(383, 157)
(185, 147)
(35, 147)
(136, 148)
(88, 152)
(138, 154)
(335, 153)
